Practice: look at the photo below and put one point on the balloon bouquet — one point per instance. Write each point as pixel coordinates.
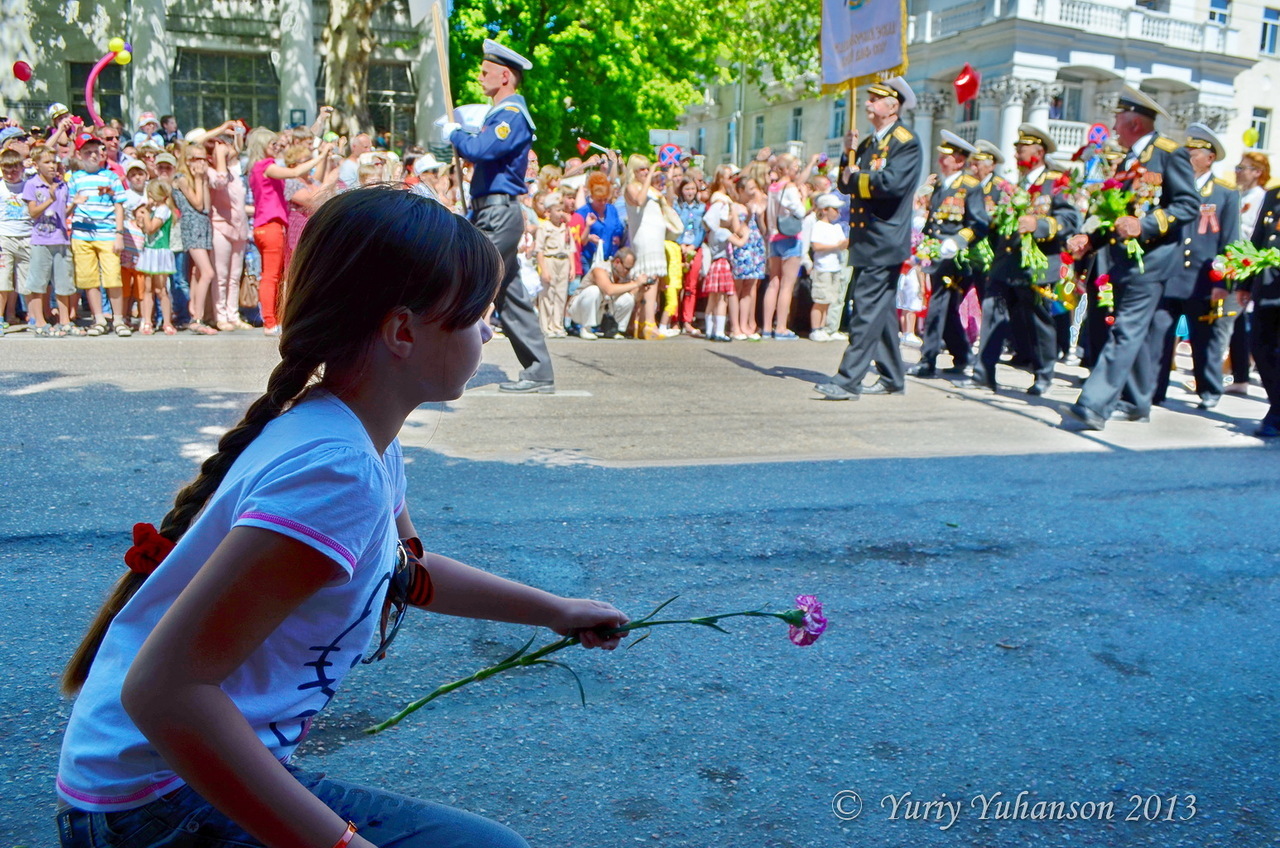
(119, 51)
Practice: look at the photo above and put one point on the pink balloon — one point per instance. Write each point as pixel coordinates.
(22, 70)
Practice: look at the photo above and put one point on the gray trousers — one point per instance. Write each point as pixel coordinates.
(504, 225)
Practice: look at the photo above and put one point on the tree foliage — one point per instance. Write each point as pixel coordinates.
(610, 70)
(348, 43)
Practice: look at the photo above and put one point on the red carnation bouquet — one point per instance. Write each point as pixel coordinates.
(1111, 202)
(1240, 261)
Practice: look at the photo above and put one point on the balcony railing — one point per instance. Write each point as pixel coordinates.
(1131, 22)
(1069, 135)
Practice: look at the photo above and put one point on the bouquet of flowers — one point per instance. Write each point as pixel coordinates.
(928, 252)
(1106, 297)
(1110, 203)
(805, 624)
(979, 256)
(1004, 220)
(1240, 261)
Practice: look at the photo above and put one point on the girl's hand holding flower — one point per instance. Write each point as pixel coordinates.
(583, 617)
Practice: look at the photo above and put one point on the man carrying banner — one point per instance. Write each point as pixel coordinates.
(500, 152)
(880, 178)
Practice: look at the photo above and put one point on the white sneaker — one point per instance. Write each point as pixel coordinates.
(668, 332)
(819, 336)
(912, 340)
(584, 333)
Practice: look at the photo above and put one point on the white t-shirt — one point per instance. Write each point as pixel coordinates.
(825, 232)
(312, 475)
(14, 220)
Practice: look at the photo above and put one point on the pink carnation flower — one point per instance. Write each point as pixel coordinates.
(814, 621)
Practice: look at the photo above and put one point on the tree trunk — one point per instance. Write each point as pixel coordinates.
(348, 43)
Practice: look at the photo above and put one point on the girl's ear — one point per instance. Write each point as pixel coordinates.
(397, 332)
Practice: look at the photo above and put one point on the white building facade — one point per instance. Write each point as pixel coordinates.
(206, 61)
(1058, 64)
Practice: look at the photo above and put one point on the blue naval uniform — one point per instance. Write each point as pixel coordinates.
(500, 153)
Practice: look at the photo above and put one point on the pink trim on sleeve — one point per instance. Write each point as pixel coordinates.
(304, 530)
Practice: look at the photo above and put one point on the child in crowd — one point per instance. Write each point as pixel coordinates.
(719, 283)
(671, 290)
(15, 231)
(97, 234)
(156, 261)
(553, 250)
(134, 285)
(46, 196)
(748, 253)
(826, 241)
(201, 675)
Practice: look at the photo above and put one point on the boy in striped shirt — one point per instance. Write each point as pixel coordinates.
(97, 233)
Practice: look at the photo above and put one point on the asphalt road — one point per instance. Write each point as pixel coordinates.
(1014, 606)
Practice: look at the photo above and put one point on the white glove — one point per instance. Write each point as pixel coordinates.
(447, 129)
(948, 249)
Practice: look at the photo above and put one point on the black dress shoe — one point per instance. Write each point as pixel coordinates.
(1041, 386)
(1208, 402)
(1126, 411)
(956, 371)
(832, 391)
(1086, 416)
(547, 387)
(1267, 431)
(922, 369)
(881, 388)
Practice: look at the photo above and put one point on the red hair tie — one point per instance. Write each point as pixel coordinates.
(148, 551)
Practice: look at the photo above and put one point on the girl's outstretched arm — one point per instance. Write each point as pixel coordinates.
(253, 582)
(471, 593)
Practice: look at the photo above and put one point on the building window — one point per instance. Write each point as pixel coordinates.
(839, 118)
(391, 101)
(797, 124)
(1270, 31)
(1073, 103)
(757, 134)
(109, 91)
(701, 145)
(209, 88)
(1262, 123)
(1219, 11)
(969, 111)
(731, 132)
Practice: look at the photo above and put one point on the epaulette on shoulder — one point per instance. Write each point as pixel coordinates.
(1221, 182)
(902, 134)
(1050, 175)
(512, 108)
(969, 181)
(1168, 145)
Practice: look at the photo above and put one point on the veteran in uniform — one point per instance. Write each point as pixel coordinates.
(1190, 292)
(1158, 169)
(957, 218)
(500, 154)
(1264, 338)
(1017, 294)
(982, 166)
(880, 174)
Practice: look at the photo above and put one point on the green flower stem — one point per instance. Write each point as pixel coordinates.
(520, 658)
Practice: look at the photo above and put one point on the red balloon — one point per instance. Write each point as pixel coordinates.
(22, 70)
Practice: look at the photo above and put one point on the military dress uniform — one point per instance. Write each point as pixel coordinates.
(1187, 293)
(1264, 338)
(881, 193)
(1014, 293)
(1158, 170)
(957, 214)
(500, 153)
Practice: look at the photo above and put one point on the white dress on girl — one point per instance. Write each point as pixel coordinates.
(648, 230)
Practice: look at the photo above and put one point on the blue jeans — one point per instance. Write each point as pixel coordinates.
(182, 819)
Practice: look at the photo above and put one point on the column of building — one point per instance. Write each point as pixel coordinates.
(151, 91)
(931, 108)
(1011, 95)
(296, 62)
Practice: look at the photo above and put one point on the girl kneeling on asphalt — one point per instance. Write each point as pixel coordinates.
(238, 619)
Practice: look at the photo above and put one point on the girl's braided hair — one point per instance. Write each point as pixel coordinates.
(363, 253)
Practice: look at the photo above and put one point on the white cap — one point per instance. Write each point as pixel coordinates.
(427, 162)
(495, 52)
(896, 87)
(827, 201)
(952, 143)
(1199, 135)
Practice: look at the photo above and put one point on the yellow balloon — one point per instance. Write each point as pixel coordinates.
(124, 57)
(1251, 137)
(115, 45)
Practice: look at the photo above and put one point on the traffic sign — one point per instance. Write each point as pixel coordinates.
(669, 154)
(1098, 135)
